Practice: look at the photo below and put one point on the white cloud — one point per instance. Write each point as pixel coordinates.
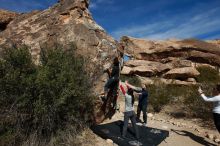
(95, 3)
(190, 24)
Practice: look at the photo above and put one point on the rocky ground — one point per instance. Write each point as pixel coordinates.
(182, 132)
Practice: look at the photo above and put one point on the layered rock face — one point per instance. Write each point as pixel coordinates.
(172, 61)
(67, 22)
(5, 18)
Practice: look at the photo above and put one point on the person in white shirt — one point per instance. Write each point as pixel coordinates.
(129, 110)
(216, 109)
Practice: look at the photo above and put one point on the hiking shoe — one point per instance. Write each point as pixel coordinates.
(144, 124)
(124, 137)
(135, 143)
(138, 120)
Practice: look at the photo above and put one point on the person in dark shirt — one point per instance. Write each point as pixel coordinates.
(142, 104)
(142, 101)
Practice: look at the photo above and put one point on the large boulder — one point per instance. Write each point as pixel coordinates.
(150, 81)
(144, 68)
(68, 22)
(181, 73)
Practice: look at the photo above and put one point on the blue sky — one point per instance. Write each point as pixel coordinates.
(152, 19)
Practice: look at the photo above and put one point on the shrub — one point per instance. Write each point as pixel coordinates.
(208, 75)
(186, 97)
(134, 80)
(158, 95)
(44, 98)
(196, 106)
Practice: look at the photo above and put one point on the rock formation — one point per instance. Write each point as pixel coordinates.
(5, 18)
(173, 61)
(67, 22)
(70, 22)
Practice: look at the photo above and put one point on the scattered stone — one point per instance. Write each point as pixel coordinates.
(196, 129)
(174, 123)
(178, 123)
(162, 120)
(109, 141)
(170, 121)
(217, 140)
(164, 127)
(150, 115)
(191, 80)
(183, 124)
(210, 136)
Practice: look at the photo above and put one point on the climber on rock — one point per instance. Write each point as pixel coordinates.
(113, 80)
(121, 55)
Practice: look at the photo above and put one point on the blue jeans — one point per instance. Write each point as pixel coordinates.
(130, 115)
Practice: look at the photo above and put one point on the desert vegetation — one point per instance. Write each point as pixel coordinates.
(184, 97)
(39, 103)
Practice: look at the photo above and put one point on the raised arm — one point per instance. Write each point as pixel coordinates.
(122, 89)
(210, 99)
(136, 89)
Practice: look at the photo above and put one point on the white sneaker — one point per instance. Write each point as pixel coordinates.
(145, 124)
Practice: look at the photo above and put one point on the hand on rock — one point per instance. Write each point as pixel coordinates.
(200, 90)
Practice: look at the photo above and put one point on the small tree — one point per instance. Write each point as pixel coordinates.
(45, 98)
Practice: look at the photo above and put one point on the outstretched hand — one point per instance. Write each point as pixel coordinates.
(120, 82)
(200, 90)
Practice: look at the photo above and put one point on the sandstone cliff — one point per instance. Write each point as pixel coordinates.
(173, 61)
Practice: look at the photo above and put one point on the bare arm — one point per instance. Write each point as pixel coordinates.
(122, 89)
(211, 99)
(136, 89)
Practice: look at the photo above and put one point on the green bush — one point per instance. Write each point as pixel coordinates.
(208, 75)
(186, 97)
(196, 106)
(159, 95)
(134, 80)
(44, 98)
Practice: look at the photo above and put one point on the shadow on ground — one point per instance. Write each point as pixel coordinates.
(148, 136)
(194, 137)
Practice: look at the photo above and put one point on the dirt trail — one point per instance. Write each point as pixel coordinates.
(181, 132)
